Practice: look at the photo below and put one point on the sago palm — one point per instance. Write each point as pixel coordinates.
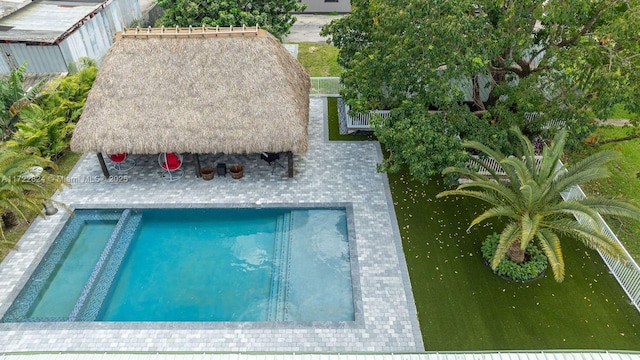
(528, 196)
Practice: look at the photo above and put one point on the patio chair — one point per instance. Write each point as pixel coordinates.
(272, 159)
(171, 164)
(121, 162)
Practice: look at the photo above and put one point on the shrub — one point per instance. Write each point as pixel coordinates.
(533, 267)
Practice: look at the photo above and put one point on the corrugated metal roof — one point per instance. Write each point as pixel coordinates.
(45, 21)
(9, 6)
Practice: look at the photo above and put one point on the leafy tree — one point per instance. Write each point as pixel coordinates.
(20, 192)
(483, 65)
(530, 200)
(13, 96)
(272, 15)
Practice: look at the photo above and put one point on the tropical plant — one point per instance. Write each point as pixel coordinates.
(13, 96)
(46, 125)
(22, 190)
(272, 15)
(485, 66)
(41, 133)
(66, 96)
(528, 197)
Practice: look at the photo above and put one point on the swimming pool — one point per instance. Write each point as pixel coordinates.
(255, 265)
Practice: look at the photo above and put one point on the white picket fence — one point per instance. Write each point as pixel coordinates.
(362, 121)
(627, 274)
(625, 270)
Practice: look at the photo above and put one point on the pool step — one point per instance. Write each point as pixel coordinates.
(20, 310)
(97, 288)
(280, 274)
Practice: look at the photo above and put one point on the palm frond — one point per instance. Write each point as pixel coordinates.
(526, 150)
(573, 208)
(530, 225)
(508, 235)
(591, 168)
(613, 207)
(484, 196)
(516, 170)
(498, 211)
(550, 244)
(34, 90)
(600, 241)
(550, 163)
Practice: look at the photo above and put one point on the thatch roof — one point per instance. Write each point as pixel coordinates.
(228, 94)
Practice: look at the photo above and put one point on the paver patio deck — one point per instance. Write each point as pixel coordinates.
(329, 173)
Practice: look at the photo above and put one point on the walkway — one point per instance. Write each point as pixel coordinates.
(330, 173)
(307, 28)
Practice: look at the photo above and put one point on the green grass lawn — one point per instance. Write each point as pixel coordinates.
(620, 113)
(623, 182)
(320, 60)
(463, 306)
(334, 127)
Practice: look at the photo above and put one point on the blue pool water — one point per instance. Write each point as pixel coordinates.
(60, 294)
(194, 265)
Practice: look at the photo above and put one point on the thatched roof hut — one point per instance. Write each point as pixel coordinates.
(196, 92)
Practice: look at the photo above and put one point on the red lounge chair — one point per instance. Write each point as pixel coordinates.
(171, 164)
(121, 162)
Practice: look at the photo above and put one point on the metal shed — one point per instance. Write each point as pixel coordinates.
(50, 34)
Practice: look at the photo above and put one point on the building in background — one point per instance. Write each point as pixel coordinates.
(51, 34)
(327, 6)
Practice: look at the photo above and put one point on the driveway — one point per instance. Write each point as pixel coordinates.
(307, 28)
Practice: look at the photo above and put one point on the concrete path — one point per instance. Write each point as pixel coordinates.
(307, 28)
(615, 122)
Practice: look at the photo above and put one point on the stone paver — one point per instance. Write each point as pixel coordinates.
(329, 173)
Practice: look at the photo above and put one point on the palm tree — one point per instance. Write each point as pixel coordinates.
(529, 198)
(20, 192)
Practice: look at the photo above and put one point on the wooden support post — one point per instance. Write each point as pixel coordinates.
(290, 163)
(197, 160)
(103, 165)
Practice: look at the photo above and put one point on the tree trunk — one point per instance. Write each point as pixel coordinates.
(515, 253)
